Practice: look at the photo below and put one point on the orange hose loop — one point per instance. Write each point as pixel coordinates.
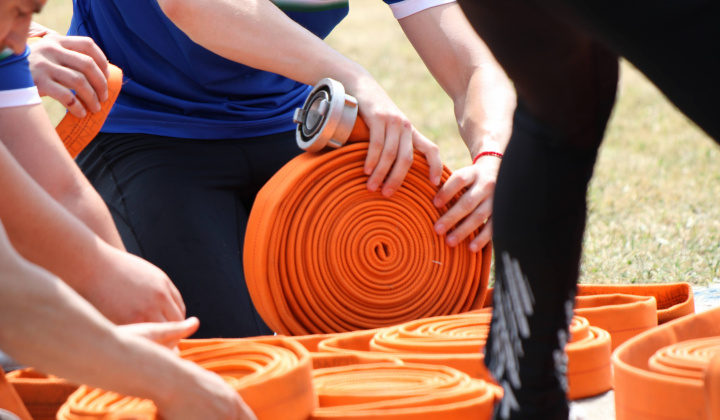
(76, 133)
(644, 393)
(43, 395)
(394, 392)
(685, 359)
(623, 316)
(273, 375)
(452, 340)
(323, 254)
(589, 371)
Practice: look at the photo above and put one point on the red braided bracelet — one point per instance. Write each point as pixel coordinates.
(481, 154)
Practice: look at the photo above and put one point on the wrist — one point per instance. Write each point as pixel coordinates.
(488, 153)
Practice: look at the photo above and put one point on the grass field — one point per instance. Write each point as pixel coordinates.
(653, 203)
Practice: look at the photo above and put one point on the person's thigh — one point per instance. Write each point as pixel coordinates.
(178, 204)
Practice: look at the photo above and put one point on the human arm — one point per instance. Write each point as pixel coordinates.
(122, 286)
(45, 324)
(63, 64)
(258, 34)
(484, 102)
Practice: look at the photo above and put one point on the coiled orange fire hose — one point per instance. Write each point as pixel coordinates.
(589, 371)
(76, 133)
(402, 392)
(10, 401)
(273, 375)
(323, 254)
(643, 388)
(43, 395)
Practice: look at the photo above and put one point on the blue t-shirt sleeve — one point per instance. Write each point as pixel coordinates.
(405, 8)
(16, 84)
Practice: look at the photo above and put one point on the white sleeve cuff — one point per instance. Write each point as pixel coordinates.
(406, 8)
(19, 97)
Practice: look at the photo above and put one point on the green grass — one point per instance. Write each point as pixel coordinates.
(653, 202)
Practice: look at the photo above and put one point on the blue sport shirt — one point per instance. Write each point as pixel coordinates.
(16, 84)
(174, 87)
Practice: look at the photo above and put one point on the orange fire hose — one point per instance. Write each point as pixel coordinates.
(644, 389)
(76, 133)
(10, 400)
(589, 371)
(712, 387)
(402, 392)
(323, 254)
(273, 375)
(43, 395)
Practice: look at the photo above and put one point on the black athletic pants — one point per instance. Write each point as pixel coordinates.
(183, 205)
(562, 58)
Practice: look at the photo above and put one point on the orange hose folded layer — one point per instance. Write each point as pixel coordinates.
(589, 371)
(455, 341)
(323, 254)
(10, 401)
(402, 392)
(42, 395)
(273, 375)
(657, 375)
(76, 133)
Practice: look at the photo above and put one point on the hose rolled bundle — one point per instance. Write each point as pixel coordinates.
(322, 254)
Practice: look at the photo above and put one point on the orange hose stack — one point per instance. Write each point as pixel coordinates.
(273, 375)
(323, 254)
(453, 340)
(42, 395)
(657, 374)
(402, 392)
(589, 371)
(76, 133)
(10, 400)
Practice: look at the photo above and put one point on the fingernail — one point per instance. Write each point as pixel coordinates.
(96, 107)
(439, 228)
(436, 180)
(387, 192)
(83, 113)
(368, 170)
(474, 248)
(437, 202)
(372, 187)
(451, 240)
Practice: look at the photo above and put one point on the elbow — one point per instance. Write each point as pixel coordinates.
(173, 9)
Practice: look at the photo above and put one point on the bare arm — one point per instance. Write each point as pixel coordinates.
(124, 287)
(484, 102)
(258, 34)
(45, 324)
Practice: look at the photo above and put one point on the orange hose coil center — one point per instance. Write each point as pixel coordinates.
(323, 254)
(399, 392)
(273, 375)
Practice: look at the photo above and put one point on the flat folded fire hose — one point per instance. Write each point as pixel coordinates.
(671, 371)
(402, 392)
(273, 376)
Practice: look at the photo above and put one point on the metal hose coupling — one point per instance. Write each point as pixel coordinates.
(329, 117)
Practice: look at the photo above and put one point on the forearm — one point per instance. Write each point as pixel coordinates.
(44, 232)
(45, 324)
(29, 136)
(258, 34)
(483, 96)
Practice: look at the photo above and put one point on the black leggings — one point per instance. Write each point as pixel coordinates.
(562, 58)
(183, 205)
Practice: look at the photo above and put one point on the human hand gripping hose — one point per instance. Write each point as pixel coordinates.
(272, 375)
(322, 254)
(76, 133)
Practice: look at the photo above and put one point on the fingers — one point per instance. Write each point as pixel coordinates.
(432, 154)
(471, 211)
(399, 158)
(171, 310)
(167, 334)
(61, 65)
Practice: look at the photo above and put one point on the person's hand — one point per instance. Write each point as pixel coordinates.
(392, 138)
(131, 290)
(474, 208)
(63, 64)
(207, 397)
(167, 334)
